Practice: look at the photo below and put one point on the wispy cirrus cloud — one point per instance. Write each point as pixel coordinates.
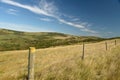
(12, 11)
(21, 27)
(34, 9)
(50, 10)
(46, 19)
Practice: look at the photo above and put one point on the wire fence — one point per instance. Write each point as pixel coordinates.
(85, 50)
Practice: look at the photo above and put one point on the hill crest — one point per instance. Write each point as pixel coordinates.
(17, 40)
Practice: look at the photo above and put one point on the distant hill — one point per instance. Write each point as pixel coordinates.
(16, 40)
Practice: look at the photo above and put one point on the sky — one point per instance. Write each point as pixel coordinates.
(77, 17)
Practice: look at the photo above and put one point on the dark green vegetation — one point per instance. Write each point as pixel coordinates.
(16, 40)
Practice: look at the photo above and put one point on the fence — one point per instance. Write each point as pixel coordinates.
(26, 66)
(106, 47)
(31, 58)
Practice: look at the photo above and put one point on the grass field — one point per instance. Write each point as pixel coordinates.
(64, 63)
(16, 40)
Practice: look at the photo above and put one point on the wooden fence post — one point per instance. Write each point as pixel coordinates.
(83, 53)
(106, 46)
(31, 57)
(115, 42)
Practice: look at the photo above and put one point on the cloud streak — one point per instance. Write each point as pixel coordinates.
(45, 19)
(12, 11)
(20, 27)
(34, 9)
(48, 9)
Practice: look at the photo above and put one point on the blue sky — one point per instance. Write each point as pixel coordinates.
(76, 17)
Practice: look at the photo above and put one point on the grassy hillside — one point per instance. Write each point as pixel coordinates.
(16, 40)
(64, 63)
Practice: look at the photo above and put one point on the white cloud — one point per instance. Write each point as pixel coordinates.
(12, 11)
(88, 30)
(68, 16)
(48, 9)
(34, 9)
(20, 27)
(82, 27)
(70, 23)
(45, 19)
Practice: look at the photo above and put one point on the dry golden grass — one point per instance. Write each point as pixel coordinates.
(64, 63)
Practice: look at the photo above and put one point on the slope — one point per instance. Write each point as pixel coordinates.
(64, 63)
(16, 40)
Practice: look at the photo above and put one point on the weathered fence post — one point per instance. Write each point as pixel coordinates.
(31, 57)
(115, 42)
(83, 53)
(106, 46)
